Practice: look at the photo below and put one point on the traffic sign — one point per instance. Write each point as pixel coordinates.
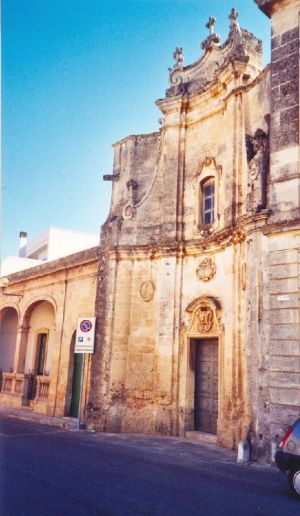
(85, 335)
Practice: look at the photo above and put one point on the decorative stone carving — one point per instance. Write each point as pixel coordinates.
(146, 290)
(238, 236)
(128, 211)
(178, 57)
(256, 154)
(205, 318)
(129, 208)
(233, 19)
(202, 316)
(235, 31)
(198, 77)
(205, 232)
(213, 39)
(206, 269)
(131, 185)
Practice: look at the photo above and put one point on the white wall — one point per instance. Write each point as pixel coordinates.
(15, 263)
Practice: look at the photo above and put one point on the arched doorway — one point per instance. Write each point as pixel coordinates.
(202, 335)
(8, 335)
(38, 352)
(74, 381)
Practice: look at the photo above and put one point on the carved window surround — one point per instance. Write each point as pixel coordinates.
(209, 170)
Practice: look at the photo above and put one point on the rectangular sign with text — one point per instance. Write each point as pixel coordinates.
(85, 335)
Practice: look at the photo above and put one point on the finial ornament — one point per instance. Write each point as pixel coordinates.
(233, 18)
(211, 25)
(178, 57)
(212, 39)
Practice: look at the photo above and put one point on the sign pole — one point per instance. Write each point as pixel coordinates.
(81, 390)
(85, 337)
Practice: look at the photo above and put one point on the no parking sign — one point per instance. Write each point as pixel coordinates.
(85, 335)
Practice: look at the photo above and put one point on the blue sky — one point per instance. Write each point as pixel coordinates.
(78, 75)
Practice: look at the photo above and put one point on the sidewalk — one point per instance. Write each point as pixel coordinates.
(69, 423)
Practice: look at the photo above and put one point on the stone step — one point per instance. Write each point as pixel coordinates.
(203, 437)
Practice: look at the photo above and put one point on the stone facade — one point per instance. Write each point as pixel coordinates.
(170, 281)
(45, 300)
(196, 279)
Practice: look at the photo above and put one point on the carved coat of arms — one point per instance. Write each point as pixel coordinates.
(205, 319)
(206, 269)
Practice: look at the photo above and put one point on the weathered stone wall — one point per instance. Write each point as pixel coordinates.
(274, 330)
(284, 137)
(69, 286)
(161, 265)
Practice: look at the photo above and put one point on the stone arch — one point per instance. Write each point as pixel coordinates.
(38, 325)
(9, 318)
(10, 304)
(32, 303)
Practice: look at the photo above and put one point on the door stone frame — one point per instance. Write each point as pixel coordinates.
(203, 321)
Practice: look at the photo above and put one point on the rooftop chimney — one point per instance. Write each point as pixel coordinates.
(22, 243)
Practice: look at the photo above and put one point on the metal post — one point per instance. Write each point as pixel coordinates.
(81, 389)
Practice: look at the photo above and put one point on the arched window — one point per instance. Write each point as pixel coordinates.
(208, 201)
(208, 205)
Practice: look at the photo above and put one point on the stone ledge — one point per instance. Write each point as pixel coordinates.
(203, 437)
(72, 260)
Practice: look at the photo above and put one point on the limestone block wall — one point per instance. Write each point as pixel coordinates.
(282, 320)
(273, 337)
(284, 143)
(139, 369)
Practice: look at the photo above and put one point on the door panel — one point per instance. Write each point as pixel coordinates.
(206, 385)
(76, 384)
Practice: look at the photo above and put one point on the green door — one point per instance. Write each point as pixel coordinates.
(76, 384)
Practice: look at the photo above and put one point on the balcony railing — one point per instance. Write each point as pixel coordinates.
(7, 382)
(42, 387)
(26, 386)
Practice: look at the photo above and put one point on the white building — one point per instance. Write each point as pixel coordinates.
(50, 245)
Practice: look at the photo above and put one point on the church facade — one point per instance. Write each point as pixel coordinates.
(195, 285)
(198, 286)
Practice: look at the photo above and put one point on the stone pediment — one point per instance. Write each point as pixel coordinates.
(240, 46)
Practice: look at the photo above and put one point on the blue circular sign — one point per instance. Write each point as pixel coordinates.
(86, 325)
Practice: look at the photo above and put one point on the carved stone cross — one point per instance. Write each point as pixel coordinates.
(211, 24)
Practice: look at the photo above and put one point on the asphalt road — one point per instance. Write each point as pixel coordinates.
(49, 471)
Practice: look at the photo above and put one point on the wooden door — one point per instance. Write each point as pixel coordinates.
(206, 385)
(76, 384)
